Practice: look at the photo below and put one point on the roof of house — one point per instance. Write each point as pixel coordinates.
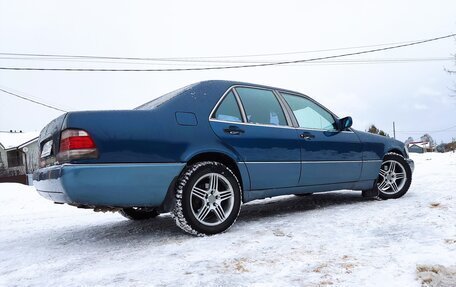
(420, 144)
(9, 140)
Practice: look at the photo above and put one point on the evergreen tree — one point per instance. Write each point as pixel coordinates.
(374, 130)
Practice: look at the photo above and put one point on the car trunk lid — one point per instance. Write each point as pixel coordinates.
(49, 141)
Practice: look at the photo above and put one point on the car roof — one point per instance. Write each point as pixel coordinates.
(228, 84)
(199, 98)
(210, 89)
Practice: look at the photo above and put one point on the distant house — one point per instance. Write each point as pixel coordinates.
(420, 147)
(18, 155)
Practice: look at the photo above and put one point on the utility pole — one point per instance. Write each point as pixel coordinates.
(394, 130)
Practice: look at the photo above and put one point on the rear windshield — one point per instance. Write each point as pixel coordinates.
(155, 103)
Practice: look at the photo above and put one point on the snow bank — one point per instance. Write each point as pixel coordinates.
(338, 239)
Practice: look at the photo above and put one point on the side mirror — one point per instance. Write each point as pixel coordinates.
(345, 123)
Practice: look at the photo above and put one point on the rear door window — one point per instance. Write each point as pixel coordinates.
(261, 106)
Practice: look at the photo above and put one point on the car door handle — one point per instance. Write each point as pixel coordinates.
(233, 130)
(306, 136)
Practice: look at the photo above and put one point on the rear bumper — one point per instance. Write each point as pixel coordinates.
(411, 163)
(114, 185)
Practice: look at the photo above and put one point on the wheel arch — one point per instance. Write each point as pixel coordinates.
(238, 168)
(394, 150)
(397, 156)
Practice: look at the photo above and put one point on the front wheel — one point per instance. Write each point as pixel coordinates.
(208, 198)
(394, 178)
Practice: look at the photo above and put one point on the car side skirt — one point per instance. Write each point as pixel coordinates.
(264, 193)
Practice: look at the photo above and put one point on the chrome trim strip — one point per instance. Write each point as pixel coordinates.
(241, 108)
(321, 130)
(315, 161)
(283, 107)
(250, 124)
(219, 101)
(297, 94)
(253, 162)
(334, 161)
(240, 105)
(274, 126)
(122, 164)
(280, 162)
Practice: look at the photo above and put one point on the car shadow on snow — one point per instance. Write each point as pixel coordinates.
(162, 230)
(290, 204)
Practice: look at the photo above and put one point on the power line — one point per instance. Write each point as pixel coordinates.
(347, 61)
(61, 110)
(198, 58)
(428, 131)
(231, 67)
(304, 52)
(33, 101)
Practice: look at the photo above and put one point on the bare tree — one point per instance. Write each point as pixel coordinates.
(409, 140)
(427, 138)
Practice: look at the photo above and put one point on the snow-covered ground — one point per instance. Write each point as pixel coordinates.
(338, 239)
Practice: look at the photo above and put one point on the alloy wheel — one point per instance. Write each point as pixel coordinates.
(392, 177)
(212, 199)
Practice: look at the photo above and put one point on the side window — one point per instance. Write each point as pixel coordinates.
(309, 114)
(14, 158)
(261, 107)
(228, 109)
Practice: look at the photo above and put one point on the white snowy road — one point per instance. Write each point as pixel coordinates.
(338, 239)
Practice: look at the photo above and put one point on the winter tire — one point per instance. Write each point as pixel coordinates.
(394, 178)
(134, 213)
(208, 198)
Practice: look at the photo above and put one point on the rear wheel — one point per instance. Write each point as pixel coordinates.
(137, 213)
(208, 199)
(394, 178)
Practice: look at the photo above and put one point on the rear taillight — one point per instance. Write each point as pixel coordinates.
(76, 144)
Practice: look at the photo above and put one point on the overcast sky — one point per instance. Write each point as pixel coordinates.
(414, 95)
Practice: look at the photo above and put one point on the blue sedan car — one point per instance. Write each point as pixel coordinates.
(203, 150)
